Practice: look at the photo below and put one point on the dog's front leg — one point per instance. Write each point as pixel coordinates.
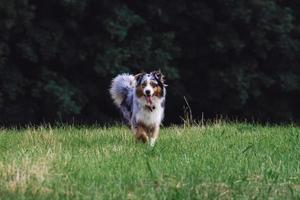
(154, 136)
(141, 134)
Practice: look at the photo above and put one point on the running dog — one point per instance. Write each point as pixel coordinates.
(141, 100)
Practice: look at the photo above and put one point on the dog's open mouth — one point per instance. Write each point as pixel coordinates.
(149, 99)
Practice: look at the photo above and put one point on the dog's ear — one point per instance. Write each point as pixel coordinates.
(138, 77)
(159, 76)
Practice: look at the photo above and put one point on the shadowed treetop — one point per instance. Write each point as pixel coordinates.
(234, 58)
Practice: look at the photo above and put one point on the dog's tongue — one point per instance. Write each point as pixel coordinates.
(149, 99)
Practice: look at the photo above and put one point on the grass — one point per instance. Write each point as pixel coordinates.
(218, 161)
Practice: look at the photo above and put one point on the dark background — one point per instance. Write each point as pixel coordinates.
(235, 58)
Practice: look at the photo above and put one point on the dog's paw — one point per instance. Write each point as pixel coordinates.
(152, 142)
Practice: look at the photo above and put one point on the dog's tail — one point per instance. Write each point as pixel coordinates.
(121, 87)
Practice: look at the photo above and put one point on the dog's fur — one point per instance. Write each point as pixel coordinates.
(141, 99)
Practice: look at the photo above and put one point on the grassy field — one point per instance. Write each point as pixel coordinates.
(218, 161)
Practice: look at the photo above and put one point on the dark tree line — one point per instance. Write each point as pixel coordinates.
(237, 58)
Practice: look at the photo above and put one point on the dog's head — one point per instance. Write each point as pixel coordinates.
(149, 85)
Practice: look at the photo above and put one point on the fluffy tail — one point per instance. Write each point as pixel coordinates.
(121, 87)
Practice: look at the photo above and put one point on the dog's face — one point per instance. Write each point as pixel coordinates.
(150, 85)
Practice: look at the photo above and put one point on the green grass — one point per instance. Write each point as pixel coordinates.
(223, 161)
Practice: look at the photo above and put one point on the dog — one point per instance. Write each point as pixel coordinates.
(141, 100)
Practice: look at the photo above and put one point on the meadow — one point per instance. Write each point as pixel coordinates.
(215, 161)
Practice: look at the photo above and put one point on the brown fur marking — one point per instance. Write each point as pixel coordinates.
(148, 129)
(157, 91)
(143, 132)
(139, 91)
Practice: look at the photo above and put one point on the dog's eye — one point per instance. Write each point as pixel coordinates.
(144, 84)
(153, 84)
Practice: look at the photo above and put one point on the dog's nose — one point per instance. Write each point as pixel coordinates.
(147, 92)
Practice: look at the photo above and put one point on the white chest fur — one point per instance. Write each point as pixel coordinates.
(148, 117)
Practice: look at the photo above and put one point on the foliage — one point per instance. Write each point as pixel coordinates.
(235, 58)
